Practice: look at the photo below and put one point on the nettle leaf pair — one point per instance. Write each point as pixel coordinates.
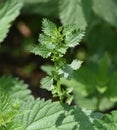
(54, 43)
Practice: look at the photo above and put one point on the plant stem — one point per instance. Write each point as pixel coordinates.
(59, 91)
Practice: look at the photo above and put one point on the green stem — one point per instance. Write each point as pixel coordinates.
(57, 62)
(59, 91)
(98, 102)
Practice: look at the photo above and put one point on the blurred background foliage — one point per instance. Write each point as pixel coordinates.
(95, 83)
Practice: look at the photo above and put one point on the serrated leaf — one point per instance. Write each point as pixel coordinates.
(74, 38)
(47, 83)
(55, 41)
(5, 105)
(108, 7)
(48, 27)
(68, 29)
(41, 50)
(45, 115)
(7, 112)
(75, 12)
(13, 126)
(44, 39)
(53, 116)
(9, 10)
(16, 88)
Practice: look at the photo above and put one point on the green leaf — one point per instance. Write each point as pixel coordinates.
(66, 71)
(111, 92)
(108, 122)
(108, 7)
(48, 69)
(44, 39)
(41, 7)
(105, 103)
(75, 12)
(93, 81)
(76, 64)
(102, 37)
(55, 41)
(81, 92)
(46, 115)
(34, 2)
(41, 50)
(7, 113)
(48, 27)
(74, 38)
(103, 73)
(13, 126)
(16, 88)
(4, 102)
(47, 83)
(9, 10)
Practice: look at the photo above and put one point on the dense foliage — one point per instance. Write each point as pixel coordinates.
(81, 76)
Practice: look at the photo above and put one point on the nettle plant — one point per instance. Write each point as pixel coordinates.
(54, 43)
(19, 110)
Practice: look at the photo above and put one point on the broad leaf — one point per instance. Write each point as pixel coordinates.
(41, 7)
(111, 92)
(93, 80)
(102, 38)
(75, 12)
(9, 10)
(107, 10)
(108, 122)
(7, 113)
(16, 88)
(46, 115)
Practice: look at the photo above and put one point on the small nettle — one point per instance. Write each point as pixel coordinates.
(53, 43)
